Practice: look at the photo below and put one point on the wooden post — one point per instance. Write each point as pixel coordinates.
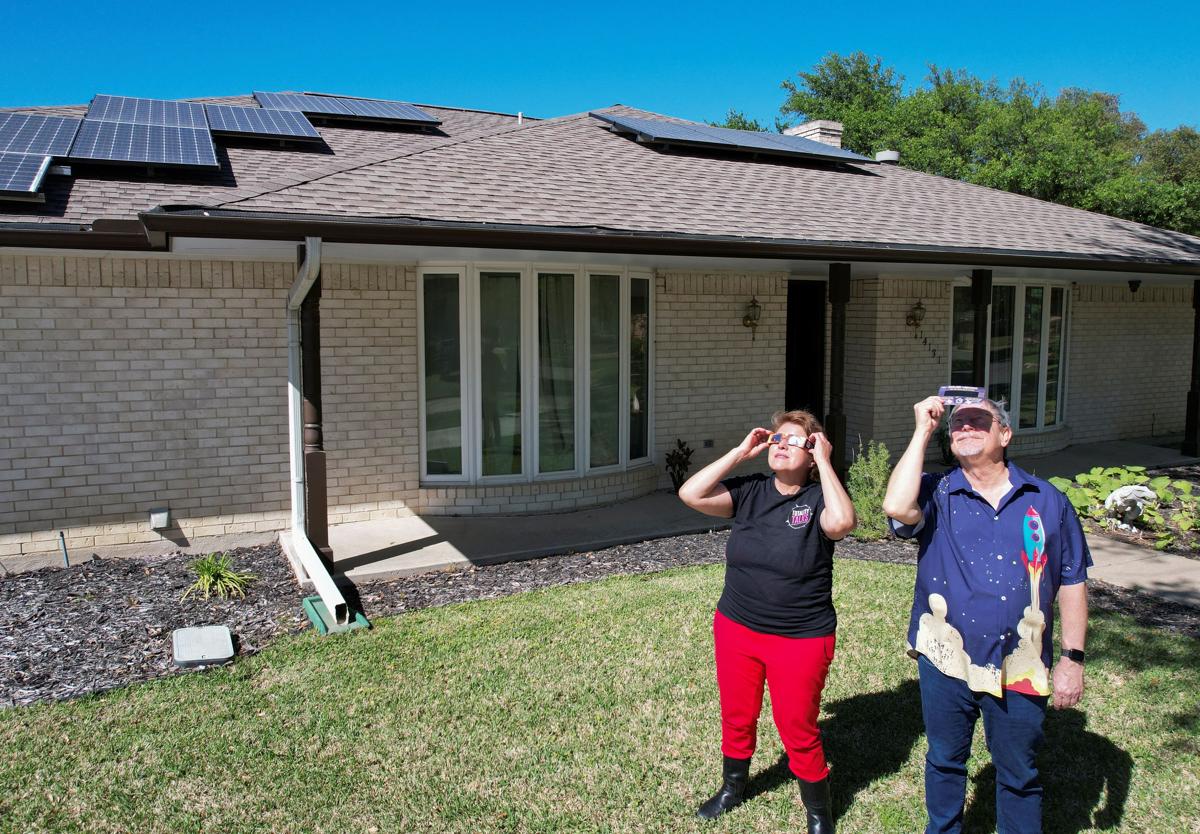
(981, 299)
(1191, 431)
(316, 500)
(835, 420)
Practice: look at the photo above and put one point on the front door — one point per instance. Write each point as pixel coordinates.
(805, 351)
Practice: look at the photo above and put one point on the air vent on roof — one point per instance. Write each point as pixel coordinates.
(695, 135)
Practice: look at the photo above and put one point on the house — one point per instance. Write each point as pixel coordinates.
(482, 313)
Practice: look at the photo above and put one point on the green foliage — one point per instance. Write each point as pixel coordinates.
(867, 483)
(679, 461)
(215, 575)
(1171, 520)
(1077, 148)
(737, 120)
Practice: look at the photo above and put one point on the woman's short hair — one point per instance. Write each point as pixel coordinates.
(801, 418)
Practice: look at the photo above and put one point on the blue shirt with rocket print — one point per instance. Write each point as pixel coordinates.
(983, 609)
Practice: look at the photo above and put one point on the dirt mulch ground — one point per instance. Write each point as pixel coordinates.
(75, 631)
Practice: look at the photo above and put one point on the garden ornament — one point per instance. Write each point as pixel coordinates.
(1128, 502)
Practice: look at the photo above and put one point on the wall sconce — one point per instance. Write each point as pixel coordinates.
(915, 315)
(1134, 283)
(160, 518)
(753, 313)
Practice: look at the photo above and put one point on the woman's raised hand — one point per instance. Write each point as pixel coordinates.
(757, 440)
(822, 450)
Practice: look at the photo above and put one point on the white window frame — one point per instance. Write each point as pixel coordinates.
(470, 337)
(1014, 406)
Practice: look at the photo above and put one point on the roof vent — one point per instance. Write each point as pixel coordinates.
(819, 130)
(889, 157)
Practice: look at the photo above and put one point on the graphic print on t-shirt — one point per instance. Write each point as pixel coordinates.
(799, 516)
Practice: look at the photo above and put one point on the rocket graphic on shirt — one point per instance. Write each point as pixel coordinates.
(1023, 668)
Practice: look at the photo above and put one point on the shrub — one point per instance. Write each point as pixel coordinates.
(867, 484)
(1176, 511)
(215, 575)
(679, 461)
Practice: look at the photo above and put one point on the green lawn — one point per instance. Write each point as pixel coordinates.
(589, 708)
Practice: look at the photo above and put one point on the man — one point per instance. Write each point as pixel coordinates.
(997, 545)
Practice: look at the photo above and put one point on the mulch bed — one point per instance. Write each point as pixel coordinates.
(92, 627)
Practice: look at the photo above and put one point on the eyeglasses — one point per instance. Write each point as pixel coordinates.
(977, 420)
(780, 439)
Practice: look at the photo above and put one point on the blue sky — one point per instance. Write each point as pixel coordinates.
(692, 60)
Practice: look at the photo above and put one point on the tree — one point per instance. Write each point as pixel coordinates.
(1077, 148)
(738, 121)
(855, 90)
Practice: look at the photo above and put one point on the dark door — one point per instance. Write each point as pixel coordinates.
(805, 352)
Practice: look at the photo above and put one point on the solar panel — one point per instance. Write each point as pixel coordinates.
(26, 133)
(155, 144)
(254, 121)
(21, 174)
(147, 111)
(750, 141)
(362, 108)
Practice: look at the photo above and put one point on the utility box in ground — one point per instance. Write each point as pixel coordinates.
(202, 645)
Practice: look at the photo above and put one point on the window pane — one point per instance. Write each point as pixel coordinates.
(1000, 356)
(500, 371)
(1054, 354)
(605, 360)
(556, 372)
(443, 386)
(639, 368)
(1031, 355)
(962, 338)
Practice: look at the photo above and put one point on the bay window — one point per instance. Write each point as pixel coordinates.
(529, 372)
(1025, 350)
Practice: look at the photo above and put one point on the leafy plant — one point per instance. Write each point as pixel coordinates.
(1174, 513)
(215, 575)
(679, 461)
(867, 483)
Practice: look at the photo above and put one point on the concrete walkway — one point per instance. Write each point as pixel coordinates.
(388, 548)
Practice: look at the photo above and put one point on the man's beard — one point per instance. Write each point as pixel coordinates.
(969, 448)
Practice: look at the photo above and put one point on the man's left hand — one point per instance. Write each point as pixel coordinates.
(1068, 683)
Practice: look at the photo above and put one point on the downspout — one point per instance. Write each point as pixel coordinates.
(306, 275)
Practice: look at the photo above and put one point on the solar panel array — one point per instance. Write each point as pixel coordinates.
(26, 133)
(147, 111)
(168, 133)
(359, 108)
(21, 174)
(727, 139)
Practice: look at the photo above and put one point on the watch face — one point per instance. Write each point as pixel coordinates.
(1074, 654)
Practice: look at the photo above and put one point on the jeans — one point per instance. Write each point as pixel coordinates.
(1013, 728)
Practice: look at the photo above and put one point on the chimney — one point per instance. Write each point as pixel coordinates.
(819, 130)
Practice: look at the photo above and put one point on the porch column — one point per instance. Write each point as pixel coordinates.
(981, 299)
(316, 501)
(835, 420)
(1191, 431)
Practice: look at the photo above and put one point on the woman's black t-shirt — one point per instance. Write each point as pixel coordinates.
(778, 562)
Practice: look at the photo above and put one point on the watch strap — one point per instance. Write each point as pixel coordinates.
(1073, 654)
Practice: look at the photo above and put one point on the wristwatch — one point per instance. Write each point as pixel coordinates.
(1074, 654)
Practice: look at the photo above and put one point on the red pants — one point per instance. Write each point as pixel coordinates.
(795, 668)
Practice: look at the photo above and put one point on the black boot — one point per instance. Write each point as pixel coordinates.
(818, 805)
(735, 773)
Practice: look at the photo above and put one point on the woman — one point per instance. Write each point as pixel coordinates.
(775, 619)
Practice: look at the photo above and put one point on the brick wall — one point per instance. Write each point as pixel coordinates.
(1130, 361)
(713, 381)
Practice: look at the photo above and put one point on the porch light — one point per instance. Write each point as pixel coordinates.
(1134, 283)
(915, 315)
(753, 313)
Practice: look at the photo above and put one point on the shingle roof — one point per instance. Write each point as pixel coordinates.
(573, 172)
